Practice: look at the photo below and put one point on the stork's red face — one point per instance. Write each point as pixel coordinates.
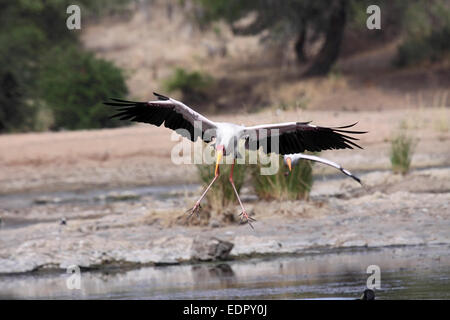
(219, 154)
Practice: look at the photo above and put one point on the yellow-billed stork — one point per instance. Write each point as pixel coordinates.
(292, 137)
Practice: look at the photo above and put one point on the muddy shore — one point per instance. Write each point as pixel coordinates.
(152, 231)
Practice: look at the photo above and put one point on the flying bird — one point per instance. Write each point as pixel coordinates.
(292, 159)
(292, 137)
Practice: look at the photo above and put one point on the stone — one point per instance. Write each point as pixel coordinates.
(210, 249)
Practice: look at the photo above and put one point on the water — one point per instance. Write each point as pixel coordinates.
(100, 196)
(25, 200)
(84, 197)
(406, 273)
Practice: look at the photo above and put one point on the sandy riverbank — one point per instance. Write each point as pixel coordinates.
(393, 210)
(152, 231)
(140, 155)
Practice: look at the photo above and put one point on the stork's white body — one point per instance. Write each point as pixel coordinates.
(228, 135)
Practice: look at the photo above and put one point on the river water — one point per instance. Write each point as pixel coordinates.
(405, 273)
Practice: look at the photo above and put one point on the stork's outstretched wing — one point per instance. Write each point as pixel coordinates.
(296, 137)
(296, 157)
(174, 114)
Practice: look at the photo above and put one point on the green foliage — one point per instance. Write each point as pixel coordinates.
(15, 115)
(187, 82)
(74, 84)
(402, 149)
(427, 25)
(357, 11)
(99, 8)
(21, 41)
(193, 85)
(282, 18)
(31, 32)
(234, 10)
(222, 194)
(296, 185)
(230, 10)
(285, 20)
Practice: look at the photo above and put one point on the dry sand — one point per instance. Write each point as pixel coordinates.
(140, 155)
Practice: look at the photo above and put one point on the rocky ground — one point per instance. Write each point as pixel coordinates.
(152, 231)
(121, 227)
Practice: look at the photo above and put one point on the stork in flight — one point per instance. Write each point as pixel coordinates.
(293, 137)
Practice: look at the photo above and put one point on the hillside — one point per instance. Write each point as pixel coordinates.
(252, 75)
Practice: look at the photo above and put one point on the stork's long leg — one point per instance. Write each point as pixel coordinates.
(197, 206)
(243, 214)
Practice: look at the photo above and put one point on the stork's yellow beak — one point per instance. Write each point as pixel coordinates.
(219, 157)
(289, 163)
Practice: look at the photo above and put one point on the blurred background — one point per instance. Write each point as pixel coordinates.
(79, 188)
(218, 55)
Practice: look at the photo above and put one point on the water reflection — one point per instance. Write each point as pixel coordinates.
(221, 273)
(406, 273)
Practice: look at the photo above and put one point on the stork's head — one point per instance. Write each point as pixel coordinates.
(288, 162)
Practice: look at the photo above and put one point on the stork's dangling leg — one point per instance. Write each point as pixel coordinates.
(197, 206)
(243, 214)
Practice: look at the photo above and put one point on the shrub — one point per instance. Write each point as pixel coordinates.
(186, 81)
(18, 45)
(402, 148)
(73, 84)
(296, 185)
(193, 85)
(15, 114)
(34, 36)
(430, 48)
(428, 31)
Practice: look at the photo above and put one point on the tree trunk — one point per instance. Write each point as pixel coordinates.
(333, 37)
(300, 43)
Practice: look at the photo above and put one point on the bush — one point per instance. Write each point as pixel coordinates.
(428, 33)
(432, 48)
(73, 84)
(296, 185)
(34, 32)
(15, 114)
(17, 46)
(192, 85)
(402, 148)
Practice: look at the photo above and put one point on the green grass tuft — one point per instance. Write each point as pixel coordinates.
(296, 185)
(402, 149)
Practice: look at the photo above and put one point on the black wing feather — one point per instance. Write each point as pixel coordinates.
(310, 138)
(143, 112)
